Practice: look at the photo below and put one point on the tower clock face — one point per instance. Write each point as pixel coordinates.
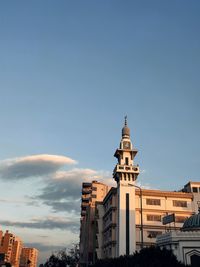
(126, 145)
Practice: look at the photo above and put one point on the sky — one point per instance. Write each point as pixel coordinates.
(69, 73)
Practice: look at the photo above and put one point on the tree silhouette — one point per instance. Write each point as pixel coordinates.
(63, 258)
(147, 257)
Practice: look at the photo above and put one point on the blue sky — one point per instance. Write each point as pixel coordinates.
(69, 73)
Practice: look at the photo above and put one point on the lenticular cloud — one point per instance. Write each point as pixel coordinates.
(35, 165)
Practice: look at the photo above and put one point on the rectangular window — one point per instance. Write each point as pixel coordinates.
(180, 203)
(150, 201)
(154, 217)
(110, 233)
(194, 189)
(126, 161)
(180, 219)
(153, 234)
(94, 188)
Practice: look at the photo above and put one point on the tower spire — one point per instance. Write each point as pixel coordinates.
(125, 120)
(125, 129)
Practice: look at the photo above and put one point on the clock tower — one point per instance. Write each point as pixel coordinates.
(125, 174)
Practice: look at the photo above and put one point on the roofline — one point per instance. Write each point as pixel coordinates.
(150, 192)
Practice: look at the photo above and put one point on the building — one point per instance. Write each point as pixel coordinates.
(127, 217)
(91, 194)
(28, 257)
(13, 252)
(185, 243)
(11, 247)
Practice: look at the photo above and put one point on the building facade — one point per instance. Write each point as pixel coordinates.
(92, 193)
(185, 243)
(29, 257)
(13, 252)
(126, 217)
(11, 247)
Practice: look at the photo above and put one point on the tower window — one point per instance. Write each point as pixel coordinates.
(126, 161)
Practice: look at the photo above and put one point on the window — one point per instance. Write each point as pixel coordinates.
(126, 161)
(194, 189)
(150, 201)
(154, 217)
(180, 203)
(94, 188)
(110, 233)
(153, 234)
(180, 219)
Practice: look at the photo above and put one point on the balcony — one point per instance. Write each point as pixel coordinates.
(126, 168)
(86, 199)
(85, 185)
(83, 212)
(86, 191)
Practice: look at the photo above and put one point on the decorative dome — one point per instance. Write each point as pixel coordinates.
(125, 129)
(192, 223)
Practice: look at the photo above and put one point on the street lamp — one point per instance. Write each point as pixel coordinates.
(141, 214)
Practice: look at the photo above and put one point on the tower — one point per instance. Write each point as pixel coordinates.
(125, 174)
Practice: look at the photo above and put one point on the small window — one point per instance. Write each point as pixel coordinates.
(194, 189)
(126, 161)
(150, 201)
(180, 219)
(180, 203)
(94, 188)
(110, 233)
(153, 234)
(154, 217)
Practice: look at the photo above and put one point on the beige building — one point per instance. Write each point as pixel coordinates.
(11, 247)
(28, 257)
(91, 193)
(13, 252)
(128, 218)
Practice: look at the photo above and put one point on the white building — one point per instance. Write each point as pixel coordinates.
(185, 243)
(126, 217)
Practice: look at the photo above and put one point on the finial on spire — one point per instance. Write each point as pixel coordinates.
(125, 130)
(125, 120)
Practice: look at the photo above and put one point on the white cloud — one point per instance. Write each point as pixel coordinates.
(35, 165)
(63, 191)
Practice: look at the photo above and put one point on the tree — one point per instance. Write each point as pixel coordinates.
(64, 258)
(147, 257)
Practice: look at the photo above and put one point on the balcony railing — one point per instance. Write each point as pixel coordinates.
(87, 185)
(86, 199)
(86, 191)
(131, 169)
